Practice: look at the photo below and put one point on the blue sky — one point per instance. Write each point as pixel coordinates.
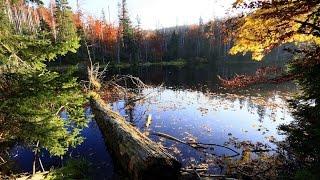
(159, 13)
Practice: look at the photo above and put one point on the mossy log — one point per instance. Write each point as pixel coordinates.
(132, 151)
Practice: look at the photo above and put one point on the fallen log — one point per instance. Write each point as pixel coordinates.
(132, 151)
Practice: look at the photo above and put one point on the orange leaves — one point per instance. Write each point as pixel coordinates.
(101, 31)
(77, 20)
(47, 16)
(96, 30)
(263, 75)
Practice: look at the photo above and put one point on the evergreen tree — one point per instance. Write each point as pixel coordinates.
(65, 25)
(34, 99)
(173, 46)
(138, 38)
(127, 41)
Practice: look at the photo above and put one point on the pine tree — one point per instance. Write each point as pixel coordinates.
(67, 36)
(174, 46)
(138, 38)
(33, 99)
(127, 43)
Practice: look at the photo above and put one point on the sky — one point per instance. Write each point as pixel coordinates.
(155, 14)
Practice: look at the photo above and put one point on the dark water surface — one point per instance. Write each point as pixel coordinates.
(188, 103)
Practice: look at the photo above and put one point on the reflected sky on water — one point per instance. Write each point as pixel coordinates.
(187, 103)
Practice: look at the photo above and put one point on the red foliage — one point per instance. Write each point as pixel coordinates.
(47, 16)
(102, 32)
(262, 75)
(156, 41)
(77, 20)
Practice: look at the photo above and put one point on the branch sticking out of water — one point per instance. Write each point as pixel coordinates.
(196, 145)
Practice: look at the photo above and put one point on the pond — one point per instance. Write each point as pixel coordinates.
(189, 104)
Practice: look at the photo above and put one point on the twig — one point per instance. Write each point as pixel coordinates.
(3, 161)
(198, 175)
(41, 165)
(59, 110)
(195, 145)
(35, 158)
(190, 170)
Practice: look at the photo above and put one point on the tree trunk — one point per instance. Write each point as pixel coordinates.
(35, 158)
(118, 52)
(132, 151)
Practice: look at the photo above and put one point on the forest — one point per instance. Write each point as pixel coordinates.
(230, 97)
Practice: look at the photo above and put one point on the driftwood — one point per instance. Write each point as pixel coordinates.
(131, 150)
(197, 145)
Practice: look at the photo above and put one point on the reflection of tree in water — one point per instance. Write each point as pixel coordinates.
(298, 156)
(261, 111)
(242, 102)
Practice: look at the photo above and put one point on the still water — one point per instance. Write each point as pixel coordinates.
(189, 104)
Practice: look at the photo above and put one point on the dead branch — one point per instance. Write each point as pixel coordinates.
(118, 87)
(196, 145)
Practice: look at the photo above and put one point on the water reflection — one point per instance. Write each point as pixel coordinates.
(199, 77)
(92, 150)
(192, 107)
(210, 117)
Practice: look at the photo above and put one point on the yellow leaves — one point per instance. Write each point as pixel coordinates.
(260, 33)
(255, 36)
(297, 38)
(238, 2)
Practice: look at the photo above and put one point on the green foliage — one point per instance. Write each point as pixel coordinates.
(74, 169)
(24, 53)
(129, 46)
(35, 102)
(65, 26)
(28, 51)
(34, 99)
(4, 25)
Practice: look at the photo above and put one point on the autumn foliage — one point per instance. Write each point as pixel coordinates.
(270, 74)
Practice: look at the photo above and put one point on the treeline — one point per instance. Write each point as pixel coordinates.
(128, 43)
